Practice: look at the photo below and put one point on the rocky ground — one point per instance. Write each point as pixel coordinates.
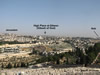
(51, 71)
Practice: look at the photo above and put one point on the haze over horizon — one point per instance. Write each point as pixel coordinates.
(74, 17)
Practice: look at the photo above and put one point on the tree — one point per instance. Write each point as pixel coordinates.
(9, 65)
(15, 66)
(92, 52)
(2, 66)
(22, 64)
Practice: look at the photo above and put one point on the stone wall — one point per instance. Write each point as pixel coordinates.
(52, 71)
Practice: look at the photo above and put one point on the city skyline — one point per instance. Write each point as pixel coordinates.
(74, 17)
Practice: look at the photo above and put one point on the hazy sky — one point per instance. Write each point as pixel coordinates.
(74, 17)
